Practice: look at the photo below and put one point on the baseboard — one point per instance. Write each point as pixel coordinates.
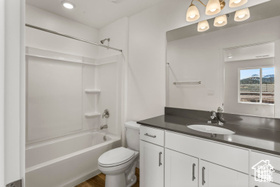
(81, 178)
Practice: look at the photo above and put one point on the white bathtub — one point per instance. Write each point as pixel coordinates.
(66, 161)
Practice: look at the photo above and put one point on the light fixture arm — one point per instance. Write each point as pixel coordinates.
(199, 1)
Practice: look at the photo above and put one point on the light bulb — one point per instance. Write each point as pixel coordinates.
(241, 16)
(192, 16)
(213, 10)
(67, 5)
(237, 1)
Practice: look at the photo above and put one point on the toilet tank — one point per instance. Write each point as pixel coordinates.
(132, 131)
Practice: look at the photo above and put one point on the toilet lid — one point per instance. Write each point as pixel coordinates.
(116, 156)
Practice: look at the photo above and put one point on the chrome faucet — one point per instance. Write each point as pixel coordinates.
(217, 117)
(213, 116)
(104, 127)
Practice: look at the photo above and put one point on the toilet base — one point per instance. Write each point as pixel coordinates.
(132, 181)
(115, 180)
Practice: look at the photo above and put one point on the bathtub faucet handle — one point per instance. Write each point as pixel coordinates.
(106, 114)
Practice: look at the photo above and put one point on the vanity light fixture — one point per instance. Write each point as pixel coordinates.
(242, 15)
(237, 3)
(203, 26)
(220, 21)
(68, 5)
(214, 7)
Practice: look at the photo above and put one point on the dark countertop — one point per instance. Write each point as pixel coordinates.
(262, 134)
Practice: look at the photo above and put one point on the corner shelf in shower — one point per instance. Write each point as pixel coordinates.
(92, 114)
(92, 91)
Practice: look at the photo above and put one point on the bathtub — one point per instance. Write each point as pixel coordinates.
(66, 161)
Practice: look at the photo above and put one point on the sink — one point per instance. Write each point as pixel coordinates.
(210, 129)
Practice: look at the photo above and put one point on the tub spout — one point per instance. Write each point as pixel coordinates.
(104, 127)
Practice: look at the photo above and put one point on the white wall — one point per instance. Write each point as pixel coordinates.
(2, 82)
(200, 58)
(43, 40)
(14, 91)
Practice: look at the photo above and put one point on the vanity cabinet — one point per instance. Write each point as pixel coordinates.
(151, 157)
(213, 175)
(181, 170)
(170, 159)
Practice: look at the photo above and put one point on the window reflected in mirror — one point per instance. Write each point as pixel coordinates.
(252, 89)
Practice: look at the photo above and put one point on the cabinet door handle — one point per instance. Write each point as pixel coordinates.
(151, 136)
(203, 176)
(193, 172)
(159, 159)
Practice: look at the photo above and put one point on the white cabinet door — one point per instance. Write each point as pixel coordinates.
(180, 170)
(151, 165)
(212, 175)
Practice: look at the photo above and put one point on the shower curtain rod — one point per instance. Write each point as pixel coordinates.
(71, 37)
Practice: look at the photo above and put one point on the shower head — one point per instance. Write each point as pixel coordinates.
(106, 39)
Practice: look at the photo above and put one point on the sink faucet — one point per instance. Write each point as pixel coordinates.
(217, 117)
(104, 127)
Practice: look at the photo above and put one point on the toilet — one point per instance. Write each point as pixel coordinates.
(119, 164)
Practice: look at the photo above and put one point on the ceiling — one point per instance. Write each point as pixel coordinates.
(95, 13)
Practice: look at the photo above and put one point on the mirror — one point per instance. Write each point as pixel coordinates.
(231, 67)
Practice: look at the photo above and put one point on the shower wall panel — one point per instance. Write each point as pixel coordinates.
(54, 98)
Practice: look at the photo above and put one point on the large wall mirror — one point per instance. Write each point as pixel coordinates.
(236, 67)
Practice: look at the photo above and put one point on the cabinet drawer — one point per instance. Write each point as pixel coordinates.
(262, 184)
(153, 135)
(260, 158)
(221, 154)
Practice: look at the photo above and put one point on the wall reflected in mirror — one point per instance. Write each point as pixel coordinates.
(235, 67)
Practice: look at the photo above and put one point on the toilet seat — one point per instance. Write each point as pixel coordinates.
(116, 157)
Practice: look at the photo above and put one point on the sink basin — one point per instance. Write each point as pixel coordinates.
(210, 129)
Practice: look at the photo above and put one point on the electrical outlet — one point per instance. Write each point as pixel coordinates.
(15, 184)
